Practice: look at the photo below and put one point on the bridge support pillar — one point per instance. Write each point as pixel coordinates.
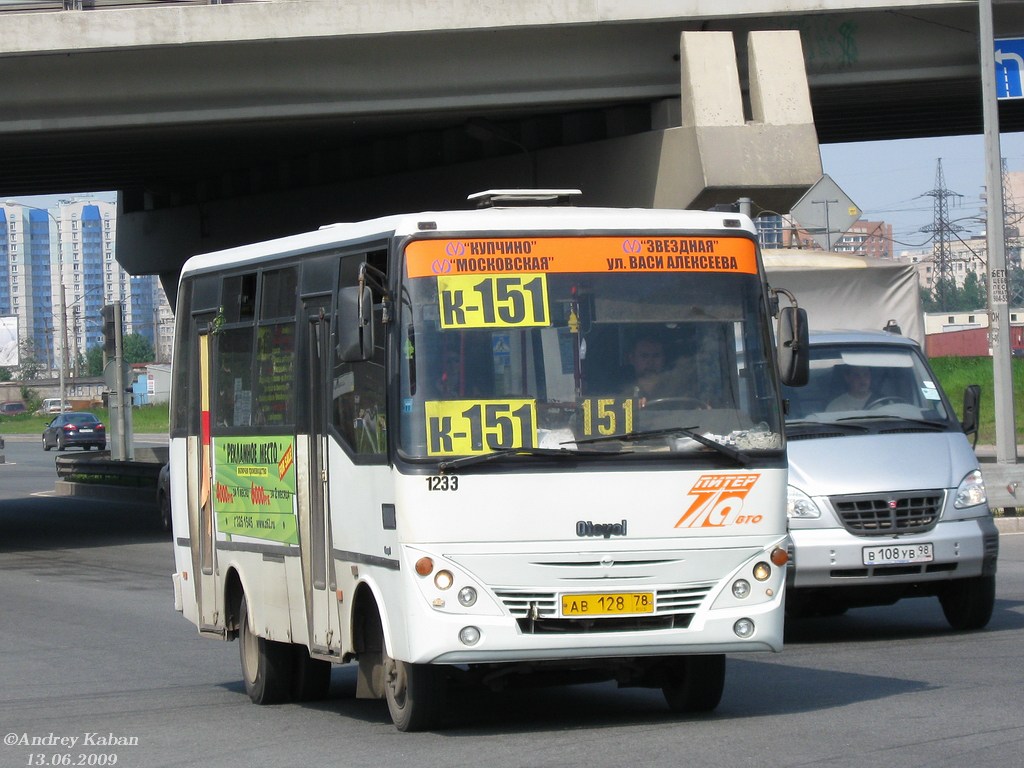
(723, 152)
(705, 150)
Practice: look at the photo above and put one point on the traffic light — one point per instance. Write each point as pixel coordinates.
(109, 340)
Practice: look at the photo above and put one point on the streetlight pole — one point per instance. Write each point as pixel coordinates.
(63, 332)
(63, 300)
(999, 308)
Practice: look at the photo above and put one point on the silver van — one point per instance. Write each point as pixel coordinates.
(886, 499)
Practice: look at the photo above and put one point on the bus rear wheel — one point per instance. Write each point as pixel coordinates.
(266, 665)
(311, 678)
(694, 683)
(415, 694)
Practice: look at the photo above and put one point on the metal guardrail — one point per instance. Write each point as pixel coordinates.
(41, 6)
(99, 468)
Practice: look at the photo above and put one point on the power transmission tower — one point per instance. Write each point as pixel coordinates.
(1011, 226)
(942, 229)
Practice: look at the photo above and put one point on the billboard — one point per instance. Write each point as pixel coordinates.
(9, 342)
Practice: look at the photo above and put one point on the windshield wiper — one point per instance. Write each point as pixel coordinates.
(558, 453)
(936, 425)
(736, 454)
(805, 425)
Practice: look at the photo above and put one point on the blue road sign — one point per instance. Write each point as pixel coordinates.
(1010, 68)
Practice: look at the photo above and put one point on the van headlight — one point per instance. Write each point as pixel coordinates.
(799, 505)
(971, 491)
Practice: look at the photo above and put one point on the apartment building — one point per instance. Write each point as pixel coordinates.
(64, 257)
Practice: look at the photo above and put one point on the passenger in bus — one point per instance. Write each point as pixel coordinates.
(455, 373)
(225, 402)
(448, 382)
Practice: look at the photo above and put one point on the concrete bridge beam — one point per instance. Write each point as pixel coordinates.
(709, 152)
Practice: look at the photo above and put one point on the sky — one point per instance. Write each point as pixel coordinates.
(889, 180)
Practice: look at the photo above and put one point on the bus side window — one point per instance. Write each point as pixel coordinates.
(233, 403)
(359, 412)
(275, 385)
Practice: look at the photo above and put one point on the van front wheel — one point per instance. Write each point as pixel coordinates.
(968, 603)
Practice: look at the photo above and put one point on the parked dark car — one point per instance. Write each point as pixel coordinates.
(75, 428)
(12, 408)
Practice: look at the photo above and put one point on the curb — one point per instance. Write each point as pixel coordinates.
(141, 496)
(1010, 524)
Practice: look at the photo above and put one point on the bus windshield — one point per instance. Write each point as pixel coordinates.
(562, 346)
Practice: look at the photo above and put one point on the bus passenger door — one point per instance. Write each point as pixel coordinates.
(201, 499)
(318, 571)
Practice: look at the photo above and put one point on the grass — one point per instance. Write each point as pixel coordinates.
(954, 373)
(146, 419)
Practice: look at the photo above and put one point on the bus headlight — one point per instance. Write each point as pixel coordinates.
(762, 571)
(740, 588)
(743, 628)
(443, 580)
(467, 596)
(469, 635)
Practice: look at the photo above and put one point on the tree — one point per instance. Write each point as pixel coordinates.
(5, 374)
(31, 365)
(972, 295)
(94, 361)
(928, 301)
(137, 349)
(946, 295)
(1015, 285)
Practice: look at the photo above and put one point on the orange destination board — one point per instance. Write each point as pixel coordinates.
(468, 256)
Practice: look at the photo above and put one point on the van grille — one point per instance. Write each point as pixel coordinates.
(881, 514)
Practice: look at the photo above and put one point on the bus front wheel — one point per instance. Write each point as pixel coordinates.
(415, 694)
(266, 665)
(694, 683)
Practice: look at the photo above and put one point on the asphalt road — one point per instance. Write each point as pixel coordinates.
(92, 650)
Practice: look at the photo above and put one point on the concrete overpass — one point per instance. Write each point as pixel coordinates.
(228, 123)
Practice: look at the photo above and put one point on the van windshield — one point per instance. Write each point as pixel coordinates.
(857, 383)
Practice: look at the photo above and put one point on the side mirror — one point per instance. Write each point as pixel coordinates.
(355, 324)
(972, 402)
(793, 346)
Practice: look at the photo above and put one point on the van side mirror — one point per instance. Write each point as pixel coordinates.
(793, 346)
(972, 402)
(355, 324)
